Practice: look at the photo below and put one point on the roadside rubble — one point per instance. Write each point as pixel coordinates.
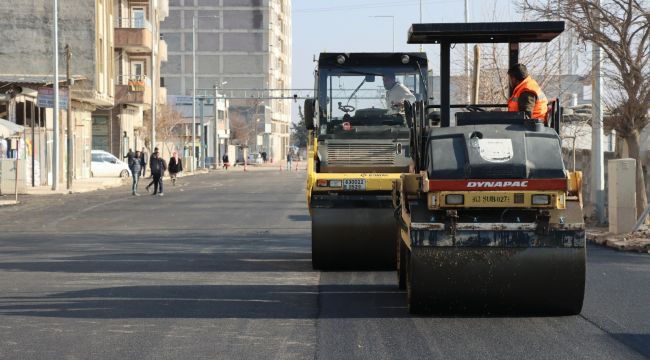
(638, 241)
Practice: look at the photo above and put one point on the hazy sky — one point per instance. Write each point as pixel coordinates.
(349, 25)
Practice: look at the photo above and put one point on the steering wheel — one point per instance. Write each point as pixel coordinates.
(346, 108)
(474, 108)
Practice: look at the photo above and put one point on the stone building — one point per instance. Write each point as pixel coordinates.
(136, 58)
(26, 38)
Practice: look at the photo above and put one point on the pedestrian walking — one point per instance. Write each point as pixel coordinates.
(289, 158)
(158, 167)
(155, 150)
(129, 155)
(135, 165)
(144, 157)
(226, 163)
(175, 166)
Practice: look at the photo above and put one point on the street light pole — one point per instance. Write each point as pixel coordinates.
(55, 116)
(193, 93)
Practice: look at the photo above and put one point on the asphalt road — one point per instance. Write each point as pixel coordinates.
(220, 268)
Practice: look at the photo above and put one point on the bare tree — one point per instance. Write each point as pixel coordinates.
(624, 37)
(168, 124)
(240, 129)
(299, 134)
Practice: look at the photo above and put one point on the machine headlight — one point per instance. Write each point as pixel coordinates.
(455, 199)
(336, 183)
(541, 199)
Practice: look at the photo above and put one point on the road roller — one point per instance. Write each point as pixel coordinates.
(490, 221)
(358, 147)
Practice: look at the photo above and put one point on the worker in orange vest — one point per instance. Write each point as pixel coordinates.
(527, 96)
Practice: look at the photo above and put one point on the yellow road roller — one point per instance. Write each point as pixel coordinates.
(358, 147)
(490, 220)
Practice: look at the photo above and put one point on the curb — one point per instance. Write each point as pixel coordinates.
(8, 203)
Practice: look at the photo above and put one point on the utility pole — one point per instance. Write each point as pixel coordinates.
(597, 157)
(467, 55)
(70, 152)
(193, 93)
(215, 139)
(202, 141)
(55, 116)
(477, 74)
(154, 77)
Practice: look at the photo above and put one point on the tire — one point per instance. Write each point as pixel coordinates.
(124, 174)
(414, 304)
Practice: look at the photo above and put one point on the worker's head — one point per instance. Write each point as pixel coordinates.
(137, 153)
(155, 149)
(156, 154)
(389, 80)
(517, 73)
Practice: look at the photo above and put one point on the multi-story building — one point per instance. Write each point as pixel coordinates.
(243, 47)
(138, 53)
(26, 55)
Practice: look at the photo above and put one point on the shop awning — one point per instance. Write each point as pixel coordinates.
(7, 128)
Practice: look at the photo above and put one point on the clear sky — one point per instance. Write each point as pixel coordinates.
(350, 26)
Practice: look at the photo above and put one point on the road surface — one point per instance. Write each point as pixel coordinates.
(219, 268)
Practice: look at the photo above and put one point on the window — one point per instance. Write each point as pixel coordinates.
(137, 17)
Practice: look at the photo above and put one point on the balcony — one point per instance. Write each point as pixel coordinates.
(134, 90)
(133, 35)
(162, 50)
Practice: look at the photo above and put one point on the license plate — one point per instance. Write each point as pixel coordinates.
(490, 200)
(354, 184)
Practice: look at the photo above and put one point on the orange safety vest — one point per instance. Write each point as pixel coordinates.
(529, 85)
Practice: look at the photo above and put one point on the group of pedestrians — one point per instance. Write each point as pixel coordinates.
(157, 167)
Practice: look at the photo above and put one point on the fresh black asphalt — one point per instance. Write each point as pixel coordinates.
(219, 268)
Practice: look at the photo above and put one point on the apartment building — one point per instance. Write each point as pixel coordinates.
(26, 55)
(242, 46)
(136, 58)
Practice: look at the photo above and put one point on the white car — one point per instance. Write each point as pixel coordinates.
(255, 158)
(105, 164)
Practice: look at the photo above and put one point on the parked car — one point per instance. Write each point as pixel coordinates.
(105, 164)
(255, 158)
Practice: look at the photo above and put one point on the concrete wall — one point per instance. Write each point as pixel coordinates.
(26, 33)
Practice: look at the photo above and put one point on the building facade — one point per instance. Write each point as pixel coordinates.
(136, 58)
(242, 47)
(26, 37)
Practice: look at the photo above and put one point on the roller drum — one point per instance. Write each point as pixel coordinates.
(488, 280)
(353, 238)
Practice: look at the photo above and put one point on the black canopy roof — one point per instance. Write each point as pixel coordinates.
(371, 59)
(496, 32)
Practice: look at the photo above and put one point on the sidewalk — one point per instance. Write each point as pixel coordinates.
(78, 186)
(94, 184)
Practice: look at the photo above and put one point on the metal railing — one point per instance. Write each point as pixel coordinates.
(132, 23)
